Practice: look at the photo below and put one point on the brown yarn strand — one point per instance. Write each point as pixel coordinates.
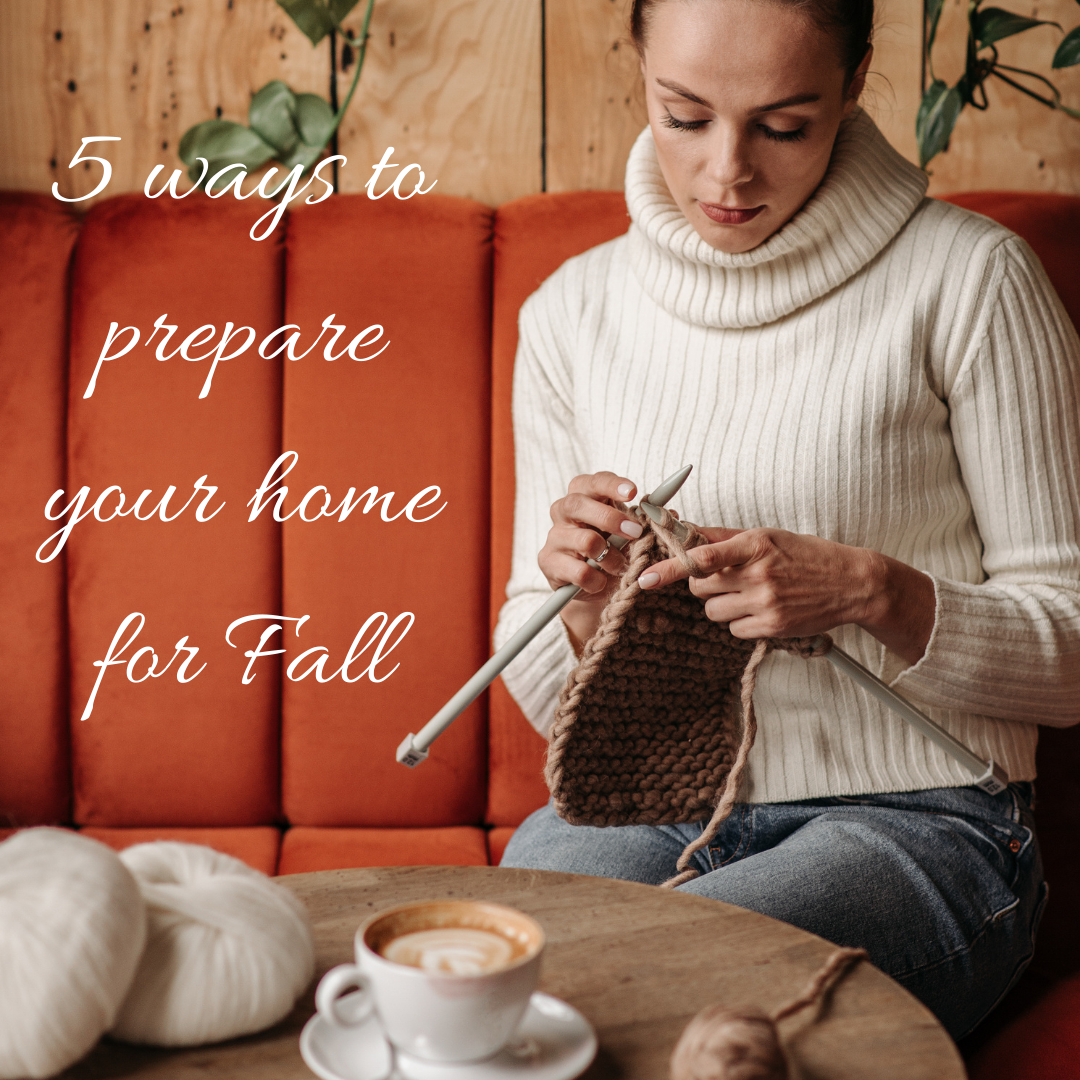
(648, 729)
(723, 1043)
(827, 976)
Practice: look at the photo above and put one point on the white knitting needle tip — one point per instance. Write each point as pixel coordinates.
(414, 748)
(988, 776)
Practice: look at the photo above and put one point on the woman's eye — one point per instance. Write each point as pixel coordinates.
(783, 136)
(682, 125)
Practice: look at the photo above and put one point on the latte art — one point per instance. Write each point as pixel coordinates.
(452, 950)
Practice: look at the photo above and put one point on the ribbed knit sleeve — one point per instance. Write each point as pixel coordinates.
(1010, 646)
(547, 455)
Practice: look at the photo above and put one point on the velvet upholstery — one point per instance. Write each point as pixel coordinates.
(306, 849)
(160, 752)
(291, 775)
(258, 846)
(36, 238)
(414, 417)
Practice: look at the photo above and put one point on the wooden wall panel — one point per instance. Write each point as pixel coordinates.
(455, 86)
(145, 70)
(892, 87)
(595, 103)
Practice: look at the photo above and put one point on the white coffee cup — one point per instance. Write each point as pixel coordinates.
(457, 987)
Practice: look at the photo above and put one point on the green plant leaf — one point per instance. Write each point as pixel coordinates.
(994, 24)
(272, 115)
(314, 120)
(938, 112)
(1068, 52)
(312, 17)
(340, 8)
(316, 18)
(302, 155)
(222, 143)
(933, 14)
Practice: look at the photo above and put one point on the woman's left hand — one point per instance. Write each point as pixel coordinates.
(774, 583)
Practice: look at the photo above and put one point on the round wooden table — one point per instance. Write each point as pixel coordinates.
(636, 960)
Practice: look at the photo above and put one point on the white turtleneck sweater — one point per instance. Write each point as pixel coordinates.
(886, 371)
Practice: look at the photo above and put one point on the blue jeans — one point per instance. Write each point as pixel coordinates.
(944, 888)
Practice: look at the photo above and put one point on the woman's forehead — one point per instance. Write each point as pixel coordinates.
(753, 53)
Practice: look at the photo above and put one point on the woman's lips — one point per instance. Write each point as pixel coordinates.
(730, 215)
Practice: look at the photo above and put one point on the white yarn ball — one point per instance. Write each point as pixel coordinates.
(228, 951)
(72, 927)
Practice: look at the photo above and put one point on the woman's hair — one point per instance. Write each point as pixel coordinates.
(850, 22)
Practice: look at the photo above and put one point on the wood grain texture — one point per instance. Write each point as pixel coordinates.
(892, 86)
(638, 962)
(145, 70)
(454, 86)
(595, 102)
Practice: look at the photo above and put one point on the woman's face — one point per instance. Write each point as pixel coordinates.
(745, 98)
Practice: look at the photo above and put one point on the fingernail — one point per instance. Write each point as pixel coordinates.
(625, 490)
(631, 529)
(648, 579)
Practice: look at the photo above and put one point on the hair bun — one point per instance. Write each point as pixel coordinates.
(72, 926)
(228, 951)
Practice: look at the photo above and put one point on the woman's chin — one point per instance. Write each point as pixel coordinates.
(733, 239)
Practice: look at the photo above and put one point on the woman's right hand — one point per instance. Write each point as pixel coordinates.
(582, 520)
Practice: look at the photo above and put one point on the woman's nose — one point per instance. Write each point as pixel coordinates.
(729, 159)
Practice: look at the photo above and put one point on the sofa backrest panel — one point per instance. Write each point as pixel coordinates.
(414, 417)
(1050, 223)
(534, 236)
(36, 237)
(158, 751)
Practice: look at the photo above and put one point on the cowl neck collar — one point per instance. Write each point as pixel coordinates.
(866, 197)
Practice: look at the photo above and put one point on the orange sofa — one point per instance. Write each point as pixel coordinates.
(292, 773)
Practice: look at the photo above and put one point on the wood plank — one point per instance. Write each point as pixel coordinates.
(595, 101)
(145, 70)
(455, 86)
(892, 94)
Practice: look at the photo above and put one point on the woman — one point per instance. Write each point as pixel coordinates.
(879, 395)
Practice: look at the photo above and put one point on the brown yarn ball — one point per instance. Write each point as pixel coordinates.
(729, 1044)
(722, 1043)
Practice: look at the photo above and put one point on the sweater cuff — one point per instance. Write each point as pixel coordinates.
(966, 655)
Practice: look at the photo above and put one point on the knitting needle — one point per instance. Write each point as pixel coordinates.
(990, 777)
(414, 748)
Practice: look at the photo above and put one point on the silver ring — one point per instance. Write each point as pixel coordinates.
(603, 554)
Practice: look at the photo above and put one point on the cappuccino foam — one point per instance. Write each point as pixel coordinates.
(452, 950)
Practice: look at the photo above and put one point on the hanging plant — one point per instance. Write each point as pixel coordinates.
(292, 129)
(942, 104)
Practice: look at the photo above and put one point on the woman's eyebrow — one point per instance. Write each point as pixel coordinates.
(795, 99)
(675, 88)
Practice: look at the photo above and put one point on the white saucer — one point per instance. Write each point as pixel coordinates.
(554, 1042)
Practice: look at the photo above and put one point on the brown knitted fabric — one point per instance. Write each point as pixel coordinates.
(647, 729)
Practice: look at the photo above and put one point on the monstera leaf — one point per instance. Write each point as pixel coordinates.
(940, 107)
(316, 18)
